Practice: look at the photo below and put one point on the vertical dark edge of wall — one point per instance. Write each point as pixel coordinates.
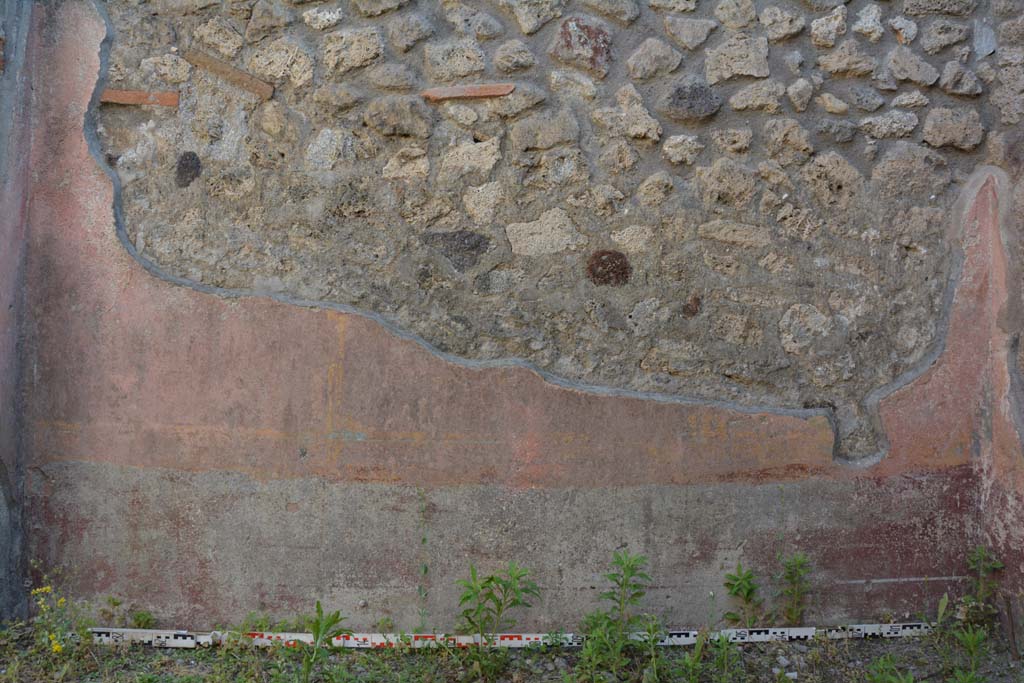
(15, 138)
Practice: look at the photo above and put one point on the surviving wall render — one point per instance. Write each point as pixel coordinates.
(15, 141)
(205, 453)
(723, 200)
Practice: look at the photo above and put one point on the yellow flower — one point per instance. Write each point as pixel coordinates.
(61, 602)
(52, 638)
(57, 648)
(42, 589)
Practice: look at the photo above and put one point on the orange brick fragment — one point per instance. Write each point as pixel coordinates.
(466, 91)
(167, 98)
(229, 73)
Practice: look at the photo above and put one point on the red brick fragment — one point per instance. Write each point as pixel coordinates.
(467, 91)
(167, 98)
(234, 76)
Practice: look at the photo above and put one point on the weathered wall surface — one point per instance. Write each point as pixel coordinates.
(207, 455)
(724, 200)
(15, 135)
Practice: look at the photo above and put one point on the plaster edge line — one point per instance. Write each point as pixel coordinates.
(90, 127)
(956, 228)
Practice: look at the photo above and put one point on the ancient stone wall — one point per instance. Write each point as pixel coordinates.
(724, 200)
(203, 455)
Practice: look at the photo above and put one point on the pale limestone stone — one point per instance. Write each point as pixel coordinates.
(410, 163)
(572, 82)
(799, 93)
(761, 96)
(801, 326)
(652, 58)
(168, 68)
(690, 33)
(947, 127)
(323, 18)
(349, 49)
(221, 35)
(832, 104)
(910, 100)
(655, 189)
(482, 202)
(780, 24)
(892, 124)
(869, 23)
(826, 30)
(553, 232)
(682, 149)
(732, 140)
(453, 59)
(282, 59)
(738, 55)
(330, 147)
(630, 119)
(905, 29)
(633, 238)
(471, 159)
(737, 234)
(735, 14)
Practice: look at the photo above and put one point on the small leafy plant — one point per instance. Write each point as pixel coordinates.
(143, 619)
(651, 634)
(630, 583)
(325, 628)
(972, 641)
(607, 632)
(725, 656)
(486, 601)
(795, 587)
(884, 670)
(978, 607)
(961, 676)
(691, 664)
(111, 613)
(604, 649)
(742, 587)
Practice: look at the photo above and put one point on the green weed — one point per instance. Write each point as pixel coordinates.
(143, 619)
(795, 588)
(884, 670)
(487, 601)
(690, 666)
(726, 663)
(742, 587)
(630, 583)
(607, 632)
(979, 607)
(324, 627)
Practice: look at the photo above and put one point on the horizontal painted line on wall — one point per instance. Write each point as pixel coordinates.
(903, 579)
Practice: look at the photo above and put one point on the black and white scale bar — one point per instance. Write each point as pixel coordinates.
(190, 639)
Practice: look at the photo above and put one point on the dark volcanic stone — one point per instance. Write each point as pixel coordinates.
(689, 99)
(188, 169)
(463, 248)
(609, 268)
